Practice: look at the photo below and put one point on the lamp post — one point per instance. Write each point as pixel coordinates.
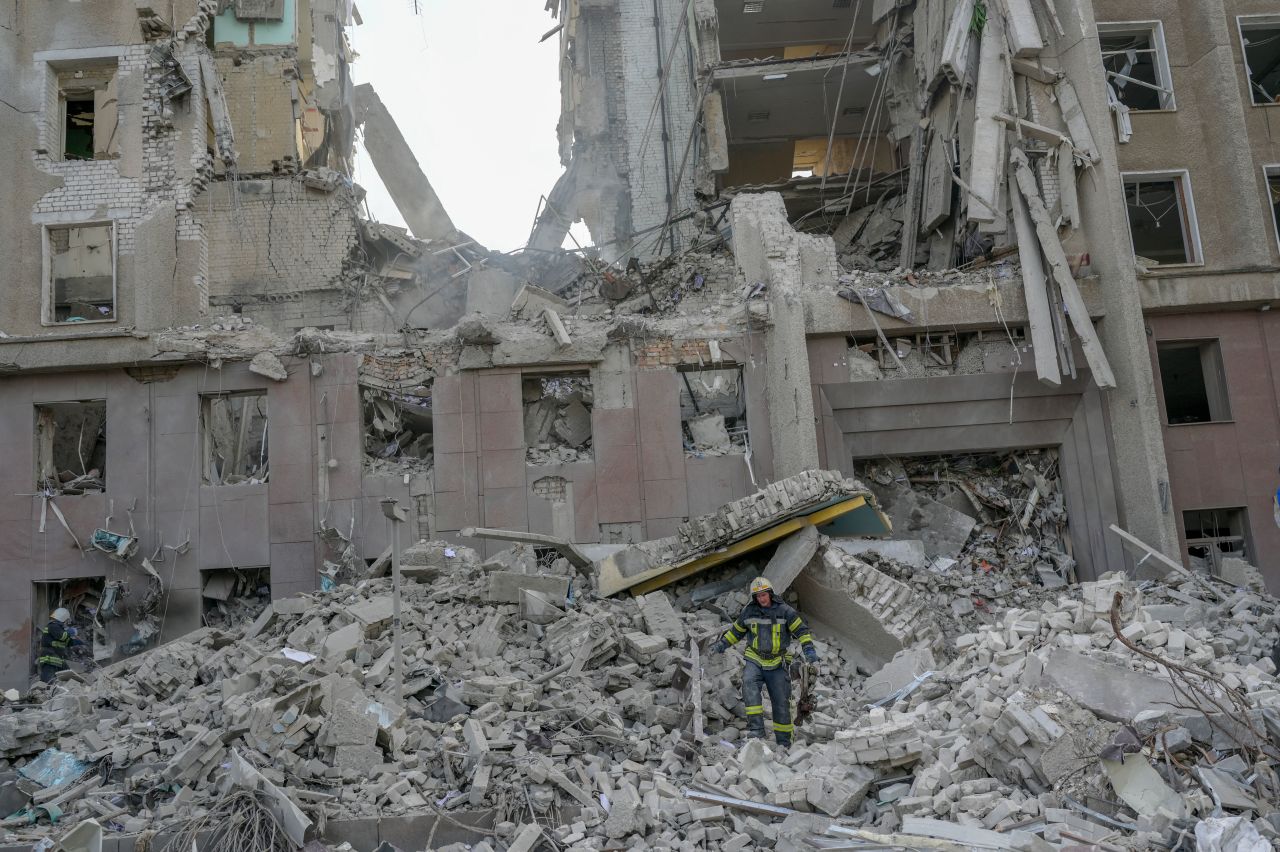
(396, 515)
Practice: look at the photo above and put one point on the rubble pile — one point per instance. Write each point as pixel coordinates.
(1112, 713)
(1002, 512)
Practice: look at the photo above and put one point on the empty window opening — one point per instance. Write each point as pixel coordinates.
(1137, 65)
(234, 430)
(1260, 35)
(398, 433)
(88, 114)
(71, 447)
(713, 411)
(84, 598)
(234, 596)
(1215, 534)
(1193, 381)
(557, 418)
(1273, 196)
(1161, 218)
(80, 273)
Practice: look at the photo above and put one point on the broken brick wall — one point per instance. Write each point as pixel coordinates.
(281, 249)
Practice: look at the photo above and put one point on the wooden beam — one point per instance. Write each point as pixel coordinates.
(1034, 285)
(1061, 271)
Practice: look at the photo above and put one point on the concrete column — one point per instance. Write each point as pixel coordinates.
(770, 251)
(1134, 413)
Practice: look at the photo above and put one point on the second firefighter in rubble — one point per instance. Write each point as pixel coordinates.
(768, 625)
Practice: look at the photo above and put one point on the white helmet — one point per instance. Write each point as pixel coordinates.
(61, 614)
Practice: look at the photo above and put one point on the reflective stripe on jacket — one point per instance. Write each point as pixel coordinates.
(769, 632)
(54, 641)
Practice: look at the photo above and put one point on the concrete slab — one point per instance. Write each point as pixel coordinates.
(941, 529)
(793, 554)
(907, 551)
(506, 586)
(1113, 693)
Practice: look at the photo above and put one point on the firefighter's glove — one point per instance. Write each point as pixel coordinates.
(719, 647)
(811, 653)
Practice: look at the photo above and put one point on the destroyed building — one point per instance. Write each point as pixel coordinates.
(1007, 265)
(225, 360)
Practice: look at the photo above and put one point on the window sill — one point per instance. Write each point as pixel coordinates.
(1202, 423)
(1164, 111)
(48, 324)
(1155, 271)
(1266, 106)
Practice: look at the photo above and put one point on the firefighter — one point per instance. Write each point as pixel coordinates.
(56, 639)
(769, 625)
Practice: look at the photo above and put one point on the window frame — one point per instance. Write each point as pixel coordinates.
(1215, 555)
(204, 412)
(1221, 388)
(1190, 226)
(47, 302)
(1160, 49)
(1272, 19)
(1272, 172)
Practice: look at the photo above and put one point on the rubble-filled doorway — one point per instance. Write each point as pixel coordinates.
(83, 598)
(234, 596)
(713, 411)
(71, 446)
(234, 436)
(557, 417)
(999, 512)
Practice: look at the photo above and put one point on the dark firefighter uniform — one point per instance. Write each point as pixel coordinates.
(55, 641)
(769, 631)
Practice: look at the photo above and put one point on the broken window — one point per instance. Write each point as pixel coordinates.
(557, 418)
(1162, 219)
(713, 411)
(1214, 534)
(80, 273)
(234, 596)
(1137, 64)
(398, 434)
(71, 447)
(1260, 36)
(1273, 195)
(90, 601)
(1194, 383)
(88, 114)
(234, 432)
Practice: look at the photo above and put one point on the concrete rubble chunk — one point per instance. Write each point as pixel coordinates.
(267, 364)
(792, 556)
(507, 587)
